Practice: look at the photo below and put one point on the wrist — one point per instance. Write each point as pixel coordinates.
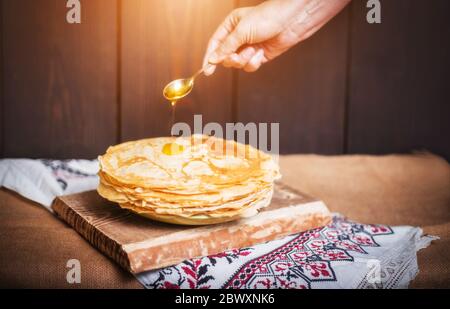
(293, 14)
(313, 15)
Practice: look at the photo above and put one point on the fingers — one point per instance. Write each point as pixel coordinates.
(255, 62)
(229, 46)
(209, 69)
(220, 35)
(250, 59)
(240, 59)
(226, 42)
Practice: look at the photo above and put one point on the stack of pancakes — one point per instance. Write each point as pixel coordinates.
(192, 180)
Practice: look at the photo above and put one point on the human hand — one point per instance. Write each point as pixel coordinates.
(252, 36)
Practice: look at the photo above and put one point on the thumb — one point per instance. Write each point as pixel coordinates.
(229, 46)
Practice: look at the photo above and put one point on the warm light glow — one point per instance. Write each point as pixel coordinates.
(177, 85)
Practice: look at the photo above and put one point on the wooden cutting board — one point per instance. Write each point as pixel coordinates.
(139, 244)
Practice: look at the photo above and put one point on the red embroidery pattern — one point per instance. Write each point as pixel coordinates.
(308, 257)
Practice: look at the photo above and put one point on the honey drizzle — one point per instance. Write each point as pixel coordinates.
(173, 106)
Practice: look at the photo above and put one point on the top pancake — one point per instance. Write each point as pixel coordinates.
(186, 165)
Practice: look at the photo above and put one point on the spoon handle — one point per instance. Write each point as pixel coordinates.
(201, 71)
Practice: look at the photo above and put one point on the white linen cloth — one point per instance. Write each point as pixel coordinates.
(343, 254)
(43, 180)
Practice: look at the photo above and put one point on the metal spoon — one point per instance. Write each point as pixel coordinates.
(180, 88)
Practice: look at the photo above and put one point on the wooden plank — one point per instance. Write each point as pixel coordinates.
(399, 99)
(164, 40)
(303, 90)
(139, 244)
(59, 79)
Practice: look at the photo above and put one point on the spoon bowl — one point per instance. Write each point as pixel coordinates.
(178, 89)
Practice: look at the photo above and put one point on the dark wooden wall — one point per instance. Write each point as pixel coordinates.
(59, 80)
(70, 91)
(399, 79)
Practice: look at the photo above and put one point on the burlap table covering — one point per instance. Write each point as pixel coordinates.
(393, 190)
